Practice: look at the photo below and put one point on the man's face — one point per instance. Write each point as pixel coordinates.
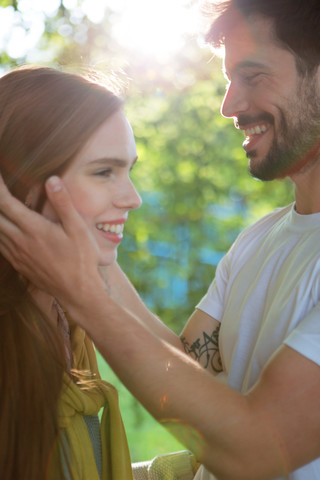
(278, 110)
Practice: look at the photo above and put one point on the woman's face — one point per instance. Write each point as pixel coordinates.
(98, 181)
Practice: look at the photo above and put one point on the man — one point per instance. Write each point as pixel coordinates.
(250, 410)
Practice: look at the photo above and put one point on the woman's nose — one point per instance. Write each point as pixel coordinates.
(128, 197)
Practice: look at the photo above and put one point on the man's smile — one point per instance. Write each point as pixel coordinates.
(254, 133)
(256, 130)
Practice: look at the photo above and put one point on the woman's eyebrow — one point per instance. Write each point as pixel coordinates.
(114, 162)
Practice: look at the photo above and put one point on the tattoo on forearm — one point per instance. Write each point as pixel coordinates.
(205, 351)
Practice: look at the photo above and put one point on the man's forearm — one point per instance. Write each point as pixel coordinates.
(124, 293)
(211, 419)
(264, 434)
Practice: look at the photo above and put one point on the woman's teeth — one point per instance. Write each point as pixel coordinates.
(106, 227)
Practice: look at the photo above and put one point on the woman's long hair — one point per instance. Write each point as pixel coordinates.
(46, 117)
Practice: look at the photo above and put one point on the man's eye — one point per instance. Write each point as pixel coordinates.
(250, 79)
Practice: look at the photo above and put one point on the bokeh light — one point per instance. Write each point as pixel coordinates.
(149, 27)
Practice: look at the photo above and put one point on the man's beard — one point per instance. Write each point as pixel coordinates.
(296, 142)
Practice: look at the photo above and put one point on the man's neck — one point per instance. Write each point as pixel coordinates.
(307, 189)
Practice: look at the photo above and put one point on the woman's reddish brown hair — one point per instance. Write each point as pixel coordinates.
(46, 117)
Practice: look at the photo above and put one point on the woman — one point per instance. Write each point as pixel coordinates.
(55, 123)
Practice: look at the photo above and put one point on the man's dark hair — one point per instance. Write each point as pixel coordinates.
(296, 25)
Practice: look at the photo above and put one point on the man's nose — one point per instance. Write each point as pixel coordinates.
(235, 101)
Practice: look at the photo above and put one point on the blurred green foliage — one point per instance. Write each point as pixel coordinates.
(191, 174)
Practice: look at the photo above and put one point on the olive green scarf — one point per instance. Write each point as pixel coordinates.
(87, 398)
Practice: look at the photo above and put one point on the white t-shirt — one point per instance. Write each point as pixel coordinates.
(265, 293)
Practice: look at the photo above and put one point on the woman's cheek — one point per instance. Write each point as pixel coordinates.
(49, 213)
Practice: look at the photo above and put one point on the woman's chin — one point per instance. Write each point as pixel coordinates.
(107, 259)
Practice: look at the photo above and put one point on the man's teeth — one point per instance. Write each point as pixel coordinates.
(106, 227)
(255, 130)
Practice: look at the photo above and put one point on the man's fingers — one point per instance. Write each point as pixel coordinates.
(27, 220)
(37, 247)
(10, 241)
(62, 204)
(13, 210)
(7, 255)
(7, 227)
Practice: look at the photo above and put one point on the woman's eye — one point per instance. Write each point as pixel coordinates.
(106, 172)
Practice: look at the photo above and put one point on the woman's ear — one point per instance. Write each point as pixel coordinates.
(33, 196)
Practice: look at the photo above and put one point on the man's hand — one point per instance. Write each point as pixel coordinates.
(58, 258)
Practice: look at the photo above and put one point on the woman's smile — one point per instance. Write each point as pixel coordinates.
(98, 181)
(112, 230)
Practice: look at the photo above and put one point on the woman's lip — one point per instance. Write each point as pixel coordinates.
(112, 230)
(114, 222)
(112, 237)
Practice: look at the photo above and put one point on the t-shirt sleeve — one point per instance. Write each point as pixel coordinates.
(305, 338)
(213, 301)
